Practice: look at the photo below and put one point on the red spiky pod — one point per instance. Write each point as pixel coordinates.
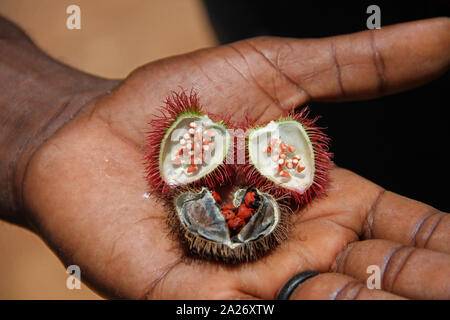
(289, 158)
(186, 146)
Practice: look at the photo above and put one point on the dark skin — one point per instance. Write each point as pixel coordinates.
(81, 187)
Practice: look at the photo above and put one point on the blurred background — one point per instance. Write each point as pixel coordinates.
(109, 44)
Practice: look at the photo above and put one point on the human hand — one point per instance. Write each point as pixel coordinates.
(86, 196)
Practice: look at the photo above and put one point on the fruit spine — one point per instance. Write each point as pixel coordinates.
(322, 164)
(176, 106)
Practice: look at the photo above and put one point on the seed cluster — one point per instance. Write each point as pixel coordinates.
(237, 217)
(194, 146)
(284, 157)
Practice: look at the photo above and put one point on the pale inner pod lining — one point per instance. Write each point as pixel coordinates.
(199, 213)
(184, 159)
(283, 153)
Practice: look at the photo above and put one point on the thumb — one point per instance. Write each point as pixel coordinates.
(362, 65)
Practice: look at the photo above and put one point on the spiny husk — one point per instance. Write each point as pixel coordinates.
(322, 163)
(178, 103)
(198, 247)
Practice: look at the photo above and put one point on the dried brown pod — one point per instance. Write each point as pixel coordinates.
(197, 219)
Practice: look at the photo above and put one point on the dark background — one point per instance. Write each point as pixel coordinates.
(398, 141)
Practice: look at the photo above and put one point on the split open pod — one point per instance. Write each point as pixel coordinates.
(185, 147)
(249, 226)
(226, 211)
(290, 157)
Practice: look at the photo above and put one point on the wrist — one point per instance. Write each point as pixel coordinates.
(38, 97)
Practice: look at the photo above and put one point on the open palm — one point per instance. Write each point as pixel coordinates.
(86, 193)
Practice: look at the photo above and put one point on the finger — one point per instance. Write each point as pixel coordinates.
(335, 286)
(406, 271)
(409, 222)
(357, 66)
(371, 212)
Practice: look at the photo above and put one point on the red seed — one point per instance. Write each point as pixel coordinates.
(229, 207)
(216, 196)
(249, 199)
(235, 223)
(300, 168)
(289, 164)
(245, 212)
(192, 168)
(228, 214)
(285, 174)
